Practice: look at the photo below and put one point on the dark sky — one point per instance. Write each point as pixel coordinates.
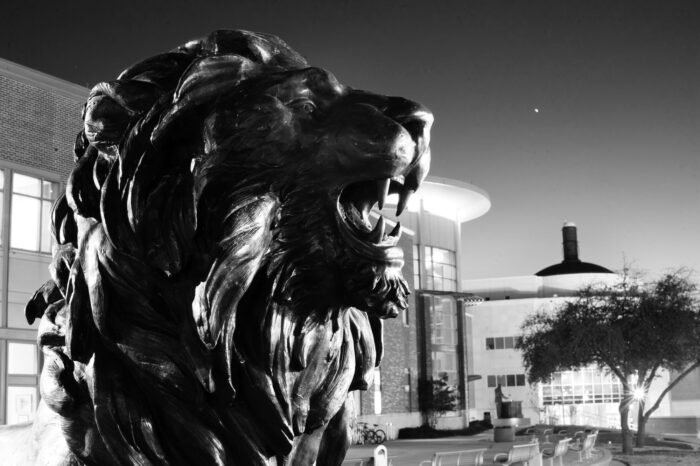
(614, 146)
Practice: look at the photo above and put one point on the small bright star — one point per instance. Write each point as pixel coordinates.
(537, 110)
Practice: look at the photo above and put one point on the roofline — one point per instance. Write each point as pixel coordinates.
(464, 201)
(26, 75)
(457, 184)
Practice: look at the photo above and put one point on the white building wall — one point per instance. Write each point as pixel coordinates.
(497, 319)
(508, 303)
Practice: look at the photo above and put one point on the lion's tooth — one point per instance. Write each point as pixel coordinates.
(378, 233)
(396, 232)
(382, 191)
(404, 196)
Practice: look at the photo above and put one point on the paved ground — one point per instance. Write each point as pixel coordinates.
(412, 452)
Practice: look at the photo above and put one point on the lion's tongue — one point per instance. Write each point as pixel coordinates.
(357, 218)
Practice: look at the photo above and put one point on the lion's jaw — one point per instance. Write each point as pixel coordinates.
(394, 161)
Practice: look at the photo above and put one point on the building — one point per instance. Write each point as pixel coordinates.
(39, 118)
(586, 396)
(429, 340)
(38, 123)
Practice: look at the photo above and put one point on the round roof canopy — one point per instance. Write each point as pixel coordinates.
(452, 199)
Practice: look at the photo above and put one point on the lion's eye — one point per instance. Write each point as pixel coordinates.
(304, 105)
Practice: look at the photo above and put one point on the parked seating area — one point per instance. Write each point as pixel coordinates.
(532, 447)
(555, 451)
(585, 447)
(457, 458)
(519, 454)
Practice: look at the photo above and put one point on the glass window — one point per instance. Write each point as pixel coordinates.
(500, 344)
(377, 391)
(443, 321)
(575, 387)
(30, 223)
(21, 358)
(501, 379)
(25, 223)
(416, 267)
(441, 269)
(491, 380)
(509, 342)
(510, 379)
(2, 198)
(21, 404)
(444, 337)
(520, 380)
(27, 185)
(490, 344)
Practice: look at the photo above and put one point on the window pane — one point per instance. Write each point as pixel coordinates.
(441, 255)
(24, 225)
(2, 203)
(511, 380)
(499, 343)
(490, 344)
(491, 380)
(509, 342)
(21, 403)
(22, 184)
(46, 236)
(520, 379)
(501, 379)
(21, 358)
(49, 190)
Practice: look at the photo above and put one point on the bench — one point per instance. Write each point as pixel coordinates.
(519, 453)
(585, 450)
(557, 450)
(547, 433)
(457, 458)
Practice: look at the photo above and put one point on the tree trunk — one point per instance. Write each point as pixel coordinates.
(624, 425)
(641, 425)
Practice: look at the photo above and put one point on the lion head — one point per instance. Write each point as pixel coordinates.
(218, 285)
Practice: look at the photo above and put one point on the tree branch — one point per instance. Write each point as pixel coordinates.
(670, 387)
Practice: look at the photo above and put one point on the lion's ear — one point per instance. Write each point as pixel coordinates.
(245, 239)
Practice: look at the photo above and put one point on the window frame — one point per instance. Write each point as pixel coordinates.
(440, 281)
(43, 222)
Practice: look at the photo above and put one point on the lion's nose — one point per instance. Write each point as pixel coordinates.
(416, 118)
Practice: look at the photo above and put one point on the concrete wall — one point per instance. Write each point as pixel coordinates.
(687, 425)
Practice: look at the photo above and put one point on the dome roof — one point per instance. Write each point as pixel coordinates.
(567, 267)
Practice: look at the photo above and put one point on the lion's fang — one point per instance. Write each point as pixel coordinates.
(396, 232)
(404, 196)
(382, 191)
(378, 232)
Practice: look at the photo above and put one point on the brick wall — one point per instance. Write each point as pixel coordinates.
(38, 127)
(400, 355)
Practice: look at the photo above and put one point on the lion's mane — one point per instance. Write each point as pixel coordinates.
(184, 323)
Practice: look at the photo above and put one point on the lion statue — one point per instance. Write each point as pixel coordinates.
(217, 287)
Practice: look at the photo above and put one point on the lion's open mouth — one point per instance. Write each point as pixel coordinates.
(354, 206)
